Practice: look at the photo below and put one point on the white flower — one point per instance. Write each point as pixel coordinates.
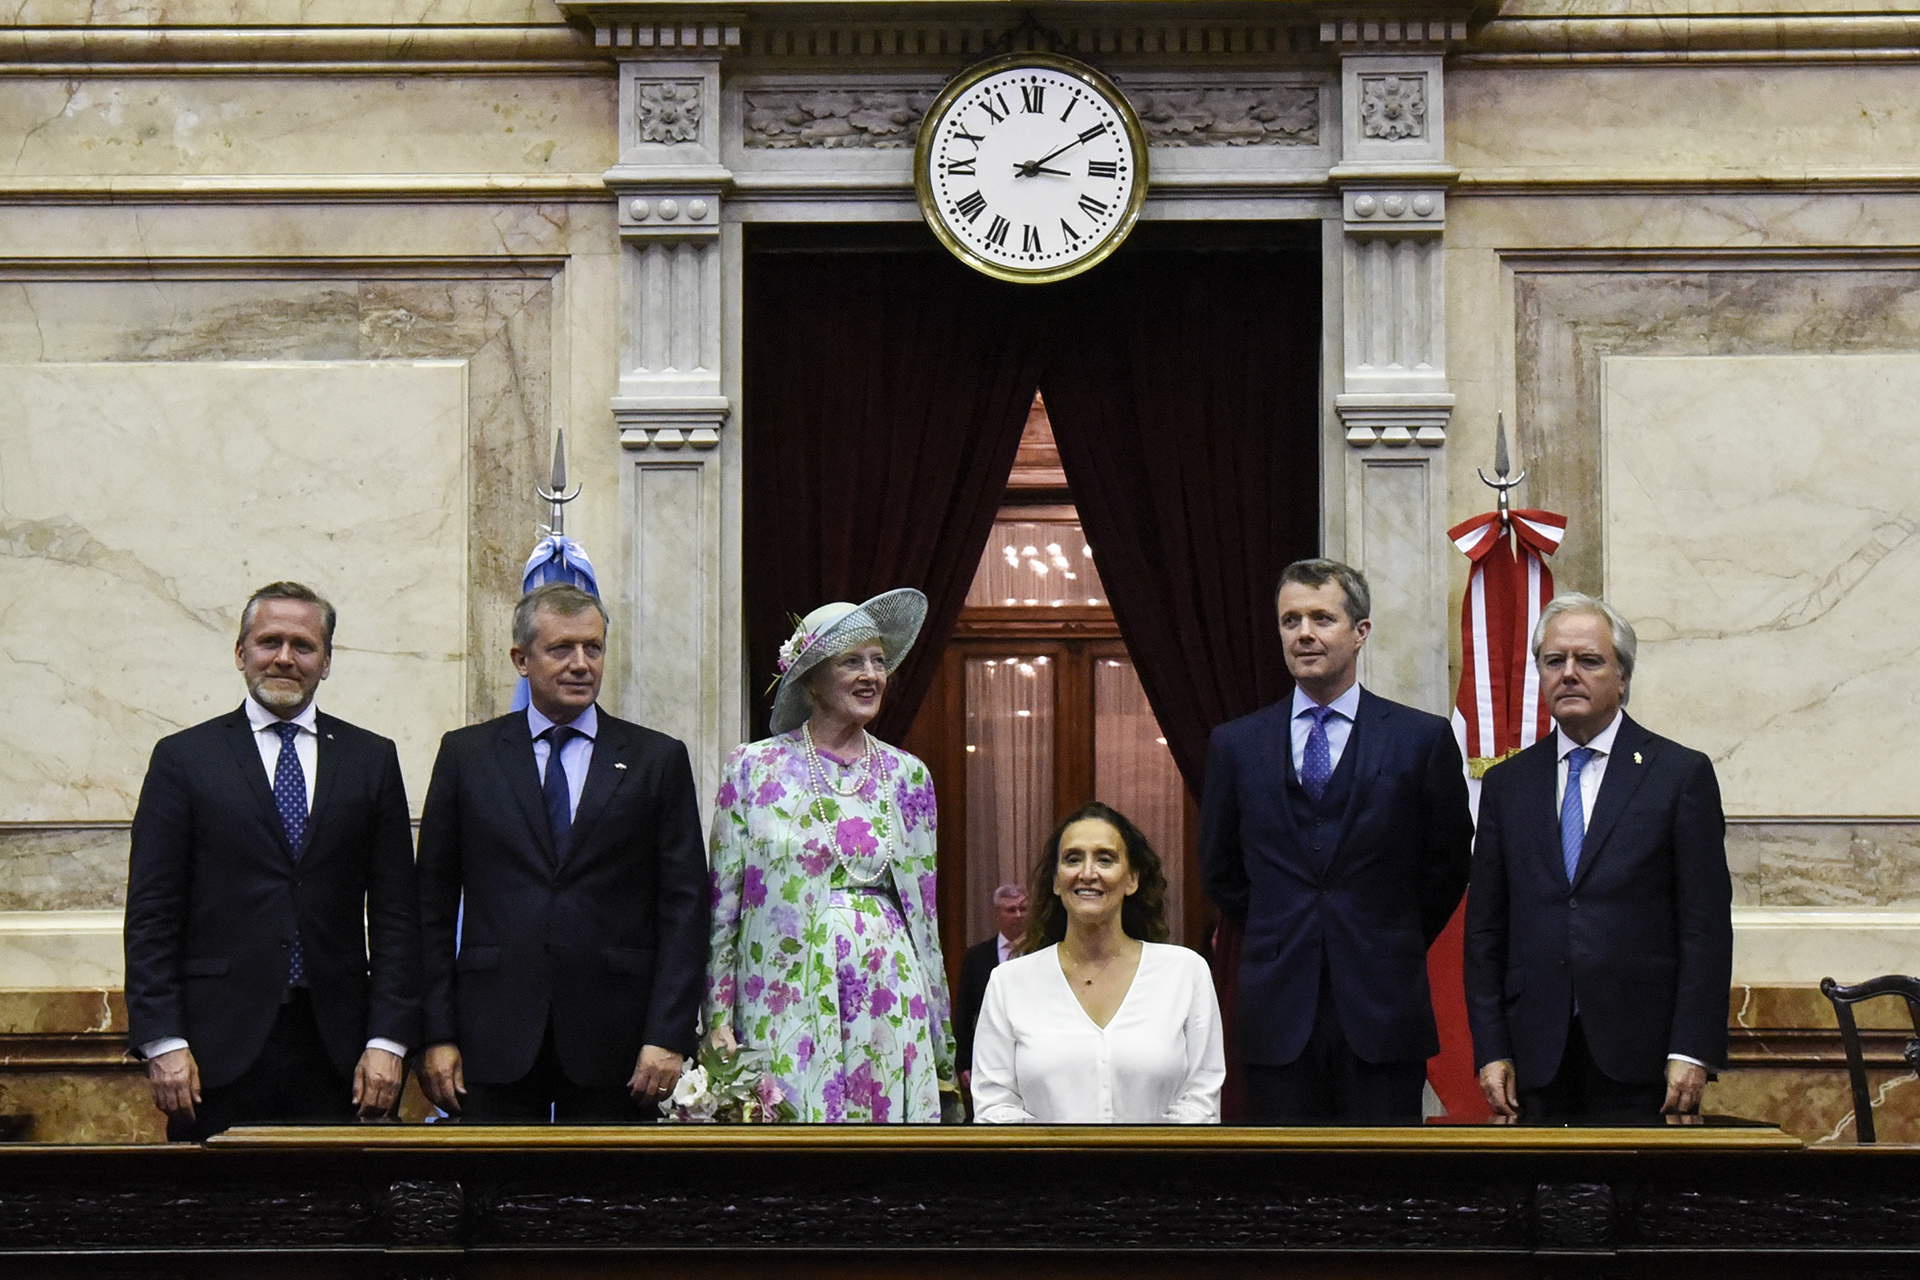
(690, 1094)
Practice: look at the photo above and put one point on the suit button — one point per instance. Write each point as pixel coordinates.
(1573, 902)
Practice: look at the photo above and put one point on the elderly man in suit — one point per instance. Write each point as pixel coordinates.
(272, 930)
(1599, 925)
(570, 985)
(1010, 925)
(1335, 833)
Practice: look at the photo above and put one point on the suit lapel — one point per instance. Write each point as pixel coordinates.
(1279, 731)
(246, 755)
(1539, 816)
(513, 750)
(1625, 772)
(326, 772)
(606, 771)
(1366, 744)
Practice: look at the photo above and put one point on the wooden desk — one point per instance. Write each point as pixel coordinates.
(443, 1201)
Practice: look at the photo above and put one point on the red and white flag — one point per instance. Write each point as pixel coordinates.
(1498, 711)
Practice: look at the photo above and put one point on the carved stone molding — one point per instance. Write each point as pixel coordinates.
(671, 423)
(1373, 33)
(668, 212)
(1394, 420)
(667, 111)
(1393, 107)
(1283, 115)
(1372, 209)
(665, 39)
(881, 119)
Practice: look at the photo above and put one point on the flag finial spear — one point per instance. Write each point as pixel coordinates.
(556, 492)
(1501, 466)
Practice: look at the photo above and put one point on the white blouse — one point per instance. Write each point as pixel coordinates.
(1038, 1058)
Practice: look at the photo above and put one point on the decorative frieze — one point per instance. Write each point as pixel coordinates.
(1283, 115)
(882, 119)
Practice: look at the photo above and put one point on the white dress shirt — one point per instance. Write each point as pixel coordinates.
(1591, 775)
(1339, 725)
(1005, 945)
(575, 756)
(1038, 1058)
(306, 748)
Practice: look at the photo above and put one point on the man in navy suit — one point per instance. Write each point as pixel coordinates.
(570, 985)
(1599, 929)
(1335, 832)
(272, 931)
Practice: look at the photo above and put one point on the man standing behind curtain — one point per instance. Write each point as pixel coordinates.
(270, 848)
(1010, 925)
(1335, 832)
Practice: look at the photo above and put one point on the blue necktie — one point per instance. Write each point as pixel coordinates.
(290, 797)
(1316, 761)
(555, 792)
(1573, 822)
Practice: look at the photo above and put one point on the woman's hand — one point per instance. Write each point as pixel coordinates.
(722, 1038)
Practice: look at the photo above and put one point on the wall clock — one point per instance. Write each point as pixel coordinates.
(1031, 167)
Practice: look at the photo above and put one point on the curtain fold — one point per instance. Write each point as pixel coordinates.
(1183, 390)
(885, 392)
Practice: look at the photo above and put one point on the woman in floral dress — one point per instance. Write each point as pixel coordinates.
(826, 952)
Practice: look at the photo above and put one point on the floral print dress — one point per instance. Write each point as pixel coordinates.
(826, 950)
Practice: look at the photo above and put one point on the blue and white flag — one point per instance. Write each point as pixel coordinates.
(556, 558)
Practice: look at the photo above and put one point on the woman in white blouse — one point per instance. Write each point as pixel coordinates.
(1107, 1025)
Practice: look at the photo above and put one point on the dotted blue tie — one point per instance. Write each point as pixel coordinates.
(1316, 762)
(554, 790)
(290, 797)
(1573, 822)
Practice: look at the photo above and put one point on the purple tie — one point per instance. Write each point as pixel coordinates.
(290, 797)
(1316, 762)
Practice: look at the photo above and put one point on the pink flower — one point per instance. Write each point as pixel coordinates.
(856, 838)
(881, 1001)
(815, 858)
(803, 1052)
(729, 795)
(926, 895)
(770, 792)
(754, 986)
(755, 888)
(917, 1008)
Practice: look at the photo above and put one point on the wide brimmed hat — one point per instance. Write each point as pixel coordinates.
(892, 617)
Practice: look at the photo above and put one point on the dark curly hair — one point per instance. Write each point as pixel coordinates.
(1144, 914)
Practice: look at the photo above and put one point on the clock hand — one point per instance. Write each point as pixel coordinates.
(1028, 168)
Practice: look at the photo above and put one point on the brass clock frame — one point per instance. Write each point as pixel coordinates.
(973, 75)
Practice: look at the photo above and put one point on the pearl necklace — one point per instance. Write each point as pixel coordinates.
(820, 782)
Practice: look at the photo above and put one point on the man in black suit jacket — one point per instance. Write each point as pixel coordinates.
(570, 985)
(1599, 925)
(270, 848)
(976, 969)
(1335, 833)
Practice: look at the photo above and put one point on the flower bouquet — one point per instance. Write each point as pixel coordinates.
(729, 1086)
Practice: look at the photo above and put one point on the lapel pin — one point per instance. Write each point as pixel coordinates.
(1636, 757)
(619, 764)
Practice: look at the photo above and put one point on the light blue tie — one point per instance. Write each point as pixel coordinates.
(1316, 760)
(1573, 821)
(290, 798)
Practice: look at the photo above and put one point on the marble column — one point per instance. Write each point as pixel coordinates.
(674, 407)
(1393, 403)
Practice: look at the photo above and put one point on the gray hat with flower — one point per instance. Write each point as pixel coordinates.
(892, 617)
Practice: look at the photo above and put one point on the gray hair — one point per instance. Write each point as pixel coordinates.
(1317, 573)
(286, 591)
(1009, 893)
(1625, 643)
(562, 598)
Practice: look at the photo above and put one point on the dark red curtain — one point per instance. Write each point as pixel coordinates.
(1183, 386)
(886, 386)
(1184, 392)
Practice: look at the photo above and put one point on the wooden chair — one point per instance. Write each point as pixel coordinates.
(1844, 998)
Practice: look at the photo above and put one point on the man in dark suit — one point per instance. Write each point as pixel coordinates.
(272, 931)
(570, 986)
(1010, 925)
(1599, 926)
(1335, 833)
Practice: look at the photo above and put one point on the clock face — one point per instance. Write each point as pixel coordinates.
(1031, 167)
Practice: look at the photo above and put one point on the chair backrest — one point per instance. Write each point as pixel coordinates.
(1844, 998)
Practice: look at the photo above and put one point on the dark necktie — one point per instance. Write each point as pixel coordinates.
(1316, 761)
(290, 798)
(556, 793)
(1573, 820)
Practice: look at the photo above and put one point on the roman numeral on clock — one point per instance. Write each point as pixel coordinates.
(957, 167)
(971, 206)
(1088, 135)
(1103, 169)
(986, 105)
(1029, 239)
(1031, 96)
(997, 233)
(959, 133)
(1067, 230)
(1091, 206)
(1072, 102)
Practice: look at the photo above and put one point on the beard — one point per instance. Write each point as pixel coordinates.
(277, 696)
